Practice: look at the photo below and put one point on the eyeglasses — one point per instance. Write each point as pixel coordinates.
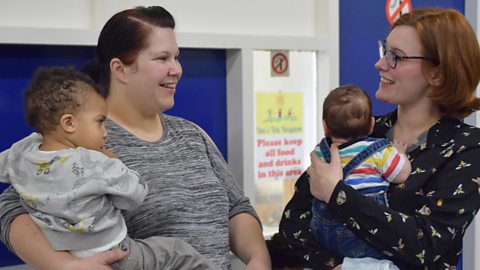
(392, 58)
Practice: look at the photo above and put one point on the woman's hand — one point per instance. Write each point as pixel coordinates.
(325, 176)
(401, 146)
(100, 261)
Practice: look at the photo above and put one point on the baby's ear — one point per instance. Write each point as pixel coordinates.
(67, 123)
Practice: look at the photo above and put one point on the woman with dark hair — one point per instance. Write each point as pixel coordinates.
(192, 194)
(430, 68)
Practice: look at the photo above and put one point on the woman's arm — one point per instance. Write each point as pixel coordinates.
(246, 238)
(23, 237)
(238, 202)
(247, 242)
(32, 247)
(10, 208)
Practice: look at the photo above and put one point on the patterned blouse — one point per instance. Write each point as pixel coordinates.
(428, 214)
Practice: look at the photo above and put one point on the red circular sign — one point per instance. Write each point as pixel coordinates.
(395, 8)
(279, 63)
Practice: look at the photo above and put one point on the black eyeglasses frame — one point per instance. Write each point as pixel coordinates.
(382, 44)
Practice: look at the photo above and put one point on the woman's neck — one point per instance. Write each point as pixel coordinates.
(413, 121)
(146, 126)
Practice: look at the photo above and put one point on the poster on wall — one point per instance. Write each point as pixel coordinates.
(278, 136)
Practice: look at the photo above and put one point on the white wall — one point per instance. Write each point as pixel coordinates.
(266, 17)
(208, 18)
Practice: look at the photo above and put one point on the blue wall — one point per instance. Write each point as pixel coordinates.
(200, 96)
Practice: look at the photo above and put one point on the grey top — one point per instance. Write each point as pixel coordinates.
(74, 195)
(192, 194)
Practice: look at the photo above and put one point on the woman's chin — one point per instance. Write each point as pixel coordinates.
(381, 97)
(167, 106)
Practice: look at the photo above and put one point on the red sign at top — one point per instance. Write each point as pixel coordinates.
(395, 8)
(279, 63)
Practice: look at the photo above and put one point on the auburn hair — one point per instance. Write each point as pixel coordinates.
(448, 39)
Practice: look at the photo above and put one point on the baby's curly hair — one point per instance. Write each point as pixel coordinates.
(53, 92)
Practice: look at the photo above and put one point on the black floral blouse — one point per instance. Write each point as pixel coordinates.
(428, 214)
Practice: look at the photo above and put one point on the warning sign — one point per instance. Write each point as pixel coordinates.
(395, 8)
(279, 63)
(279, 139)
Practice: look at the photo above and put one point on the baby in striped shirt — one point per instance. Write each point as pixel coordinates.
(369, 166)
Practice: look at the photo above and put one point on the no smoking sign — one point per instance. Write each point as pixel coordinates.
(395, 8)
(279, 63)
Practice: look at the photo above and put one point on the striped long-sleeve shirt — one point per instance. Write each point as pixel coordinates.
(375, 173)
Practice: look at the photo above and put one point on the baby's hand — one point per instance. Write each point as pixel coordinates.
(401, 146)
(108, 153)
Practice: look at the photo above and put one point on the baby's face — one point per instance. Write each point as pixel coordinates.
(90, 129)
